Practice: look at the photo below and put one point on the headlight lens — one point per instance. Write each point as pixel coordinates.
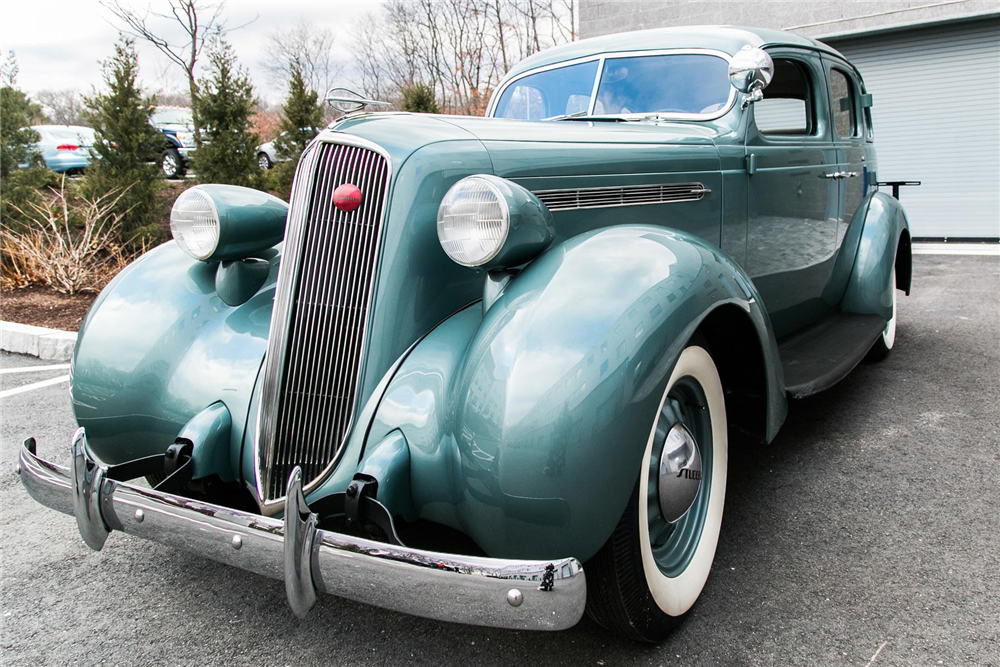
(473, 221)
(187, 140)
(194, 223)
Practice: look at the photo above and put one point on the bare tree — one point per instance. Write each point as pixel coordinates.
(173, 98)
(64, 107)
(562, 15)
(461, 48)
(306, 45)
(198, 20)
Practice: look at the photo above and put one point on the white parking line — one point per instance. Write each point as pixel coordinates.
(33, 386)
(35, 369)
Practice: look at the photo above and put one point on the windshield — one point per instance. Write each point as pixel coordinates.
(690, 84)
(164, 116)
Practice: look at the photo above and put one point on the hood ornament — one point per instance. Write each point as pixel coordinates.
(348, 101)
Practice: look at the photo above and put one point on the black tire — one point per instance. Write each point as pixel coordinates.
(884, 343)
(620, 575)
(263, 161)
(171, 163)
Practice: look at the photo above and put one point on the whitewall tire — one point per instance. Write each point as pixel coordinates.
(653, 568)
(883, 344)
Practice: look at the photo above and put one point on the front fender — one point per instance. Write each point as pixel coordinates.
(157, 347)
(526, 427)
(868, 288)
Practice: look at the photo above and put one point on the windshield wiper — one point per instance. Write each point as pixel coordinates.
(575, 114)
(581, 115)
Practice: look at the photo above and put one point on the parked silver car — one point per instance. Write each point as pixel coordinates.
(267, 156)
(65, 148)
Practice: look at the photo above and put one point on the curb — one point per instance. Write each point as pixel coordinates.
(956, 249)
(48, 344)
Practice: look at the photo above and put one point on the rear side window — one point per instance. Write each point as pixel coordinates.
(787, 107)
(842, 98)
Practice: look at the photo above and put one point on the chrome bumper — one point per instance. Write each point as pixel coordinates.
(462, 589)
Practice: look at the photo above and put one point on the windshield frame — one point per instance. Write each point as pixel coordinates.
(613, 55)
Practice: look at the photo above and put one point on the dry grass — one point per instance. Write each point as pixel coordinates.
(70, 244)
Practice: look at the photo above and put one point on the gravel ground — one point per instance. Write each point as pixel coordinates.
(871, 525)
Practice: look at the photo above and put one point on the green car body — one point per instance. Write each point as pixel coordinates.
(521, 422)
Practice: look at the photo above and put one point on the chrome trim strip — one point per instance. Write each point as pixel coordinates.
(603, 57)
(574, 199)
(491, 592)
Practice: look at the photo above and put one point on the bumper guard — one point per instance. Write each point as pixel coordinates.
(524, 595)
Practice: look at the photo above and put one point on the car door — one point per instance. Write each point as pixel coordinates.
(852, 168)
(794, 196)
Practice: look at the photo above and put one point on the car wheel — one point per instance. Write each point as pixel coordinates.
(263, 161)
(654, 566)
(171, 163)
(883, 344)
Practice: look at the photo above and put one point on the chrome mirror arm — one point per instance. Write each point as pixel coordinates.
(756, 95)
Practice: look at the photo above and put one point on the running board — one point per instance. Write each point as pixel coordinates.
(822, 355)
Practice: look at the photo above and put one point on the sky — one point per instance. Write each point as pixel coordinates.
(59, 43)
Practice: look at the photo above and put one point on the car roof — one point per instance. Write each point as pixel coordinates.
(62, 127)
(727, 39)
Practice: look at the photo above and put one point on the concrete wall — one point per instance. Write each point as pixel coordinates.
(814, 19)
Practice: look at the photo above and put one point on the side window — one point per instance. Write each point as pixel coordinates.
(842, 100)
(788, 107)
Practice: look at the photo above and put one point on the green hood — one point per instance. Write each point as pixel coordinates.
(418, 286)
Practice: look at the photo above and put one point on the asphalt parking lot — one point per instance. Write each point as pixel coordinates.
(867, 534)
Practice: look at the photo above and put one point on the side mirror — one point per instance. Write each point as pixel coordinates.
(750, 70)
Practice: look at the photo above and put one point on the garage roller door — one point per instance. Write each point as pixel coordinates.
(937, 120)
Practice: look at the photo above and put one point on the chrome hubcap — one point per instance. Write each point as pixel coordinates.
(679, 476)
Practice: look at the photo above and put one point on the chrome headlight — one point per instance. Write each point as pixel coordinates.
(226, 222)
(489, 222)
(473, 221)
(194, 223)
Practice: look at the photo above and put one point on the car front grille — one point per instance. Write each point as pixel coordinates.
(316, 343)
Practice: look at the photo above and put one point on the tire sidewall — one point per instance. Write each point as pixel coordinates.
(674, 596)
(889, 333)
(174, 155)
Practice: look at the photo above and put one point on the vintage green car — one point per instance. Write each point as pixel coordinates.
(488, 370)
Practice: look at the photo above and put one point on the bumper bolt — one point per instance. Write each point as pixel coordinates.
(514, 597)
(237, 542)
(139, 516)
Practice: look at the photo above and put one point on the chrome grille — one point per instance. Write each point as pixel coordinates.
(627, 195)
(321, 307)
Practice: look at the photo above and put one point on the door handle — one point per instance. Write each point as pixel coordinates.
(836, 174)
(842, 174)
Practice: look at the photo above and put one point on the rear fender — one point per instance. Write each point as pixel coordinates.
(526, 427)
(885, 230)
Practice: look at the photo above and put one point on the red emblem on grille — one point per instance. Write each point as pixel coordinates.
(347, 197)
